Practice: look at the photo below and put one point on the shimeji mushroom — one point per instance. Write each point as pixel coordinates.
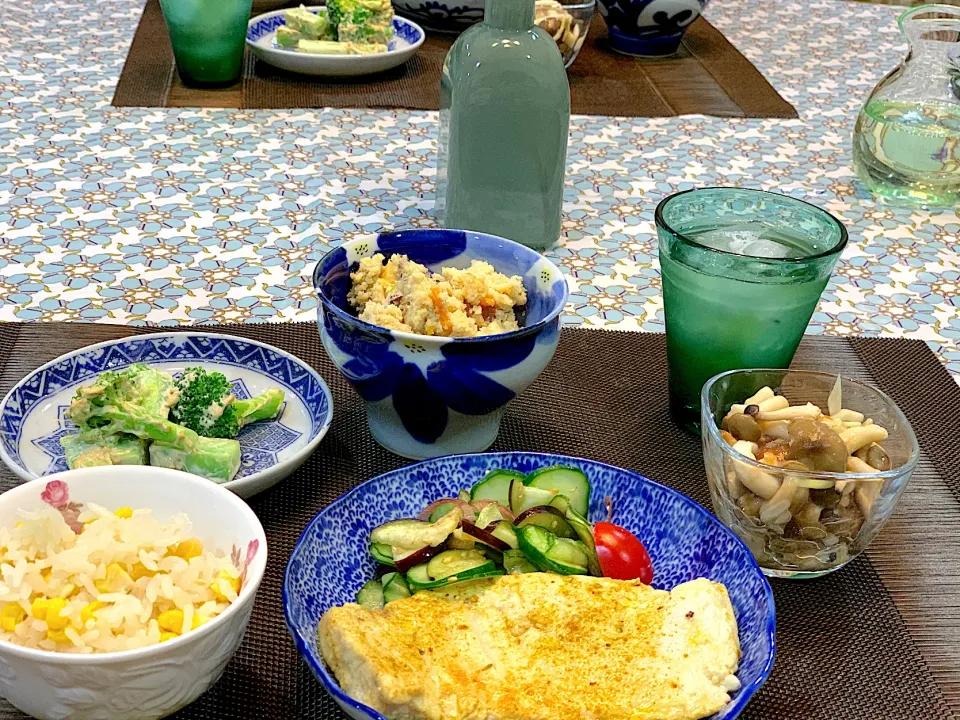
(760, 483)
(808, 411)
(858, 437)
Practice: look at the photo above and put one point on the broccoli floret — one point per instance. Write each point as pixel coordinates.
(359, 12)
(135, 401)
(208, 407)
(205, 404)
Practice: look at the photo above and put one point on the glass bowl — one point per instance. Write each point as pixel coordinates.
(567, 22)
(798, 522)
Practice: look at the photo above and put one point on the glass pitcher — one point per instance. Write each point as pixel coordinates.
(906, 144)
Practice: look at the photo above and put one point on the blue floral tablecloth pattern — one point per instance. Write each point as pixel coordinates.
(175, 216)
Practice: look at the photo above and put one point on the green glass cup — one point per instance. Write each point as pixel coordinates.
(208, 39)
(742, 273)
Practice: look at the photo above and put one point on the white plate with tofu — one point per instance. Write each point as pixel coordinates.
(35, 416)
(290, 40)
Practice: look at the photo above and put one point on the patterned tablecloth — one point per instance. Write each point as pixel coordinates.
(184, 216)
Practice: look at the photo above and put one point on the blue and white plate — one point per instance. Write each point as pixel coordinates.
(331, 560)
(32, 414)
(261, 39)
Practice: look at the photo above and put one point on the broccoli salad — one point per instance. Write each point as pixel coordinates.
(144, 416)
(345, 27)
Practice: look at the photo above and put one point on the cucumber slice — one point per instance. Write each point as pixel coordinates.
(523, 498)
(570, 552)
(547, 517)
(488, 516)
(419, 579)
(568, 481)
(504, 532)
(462, 591)
(584, 531)
(515, 563)
(456, 562)
(394, 587)
(536, 544)
(370, 596)
(382, 554)
(493, 555)
(413, 535)
(496, 486)
(440, 511)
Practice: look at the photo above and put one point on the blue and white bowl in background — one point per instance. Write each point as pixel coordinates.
(332, 560)
(32, 418)
(429, 396)
(649, 28)
(261, 40)
(453, 16)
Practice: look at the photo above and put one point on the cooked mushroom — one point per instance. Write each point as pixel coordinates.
(795, 412)
(742, 427)
(817, 446)
(858, 437)
(875, 456)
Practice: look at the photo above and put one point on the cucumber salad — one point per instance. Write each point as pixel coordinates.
(508, 523)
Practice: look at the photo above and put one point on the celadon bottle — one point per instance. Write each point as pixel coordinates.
(504, 122)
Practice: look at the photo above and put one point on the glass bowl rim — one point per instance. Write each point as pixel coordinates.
(836, 249)
(579, 5)
(714, 431)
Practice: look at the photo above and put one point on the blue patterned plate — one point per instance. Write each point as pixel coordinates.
(32, 414)
(262, 31)
(331, 560)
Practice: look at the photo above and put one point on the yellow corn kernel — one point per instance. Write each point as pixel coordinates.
(139, 570)
(45, 574)
(57, 636)
(234, 582)
(117, 579)
(19, 524)
(189, 548)
(53, 618)
(38, 608)
(87, 613)
(164, 636)
(12, 615)
(171, 621)
(198, 620)
(124, 512)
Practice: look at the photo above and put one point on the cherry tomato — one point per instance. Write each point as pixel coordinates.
(622, 556)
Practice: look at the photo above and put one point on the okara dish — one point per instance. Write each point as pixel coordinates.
(399, 294)
(82, 579)
(492, 590)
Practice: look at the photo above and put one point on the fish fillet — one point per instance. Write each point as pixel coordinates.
(540, 647)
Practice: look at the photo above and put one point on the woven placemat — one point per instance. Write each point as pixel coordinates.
(708, 76)
(877, 641)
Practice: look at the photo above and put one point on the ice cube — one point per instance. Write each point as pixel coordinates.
(744, 239)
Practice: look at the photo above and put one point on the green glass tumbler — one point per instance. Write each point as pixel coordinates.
(742, 273)
(208, 38)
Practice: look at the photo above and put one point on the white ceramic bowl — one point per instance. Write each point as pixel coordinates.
(262, 30)
(154, 681)
(32, 419)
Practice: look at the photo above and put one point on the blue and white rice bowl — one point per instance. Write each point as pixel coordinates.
(649, 28)
(430, 396)
(32, 415)
(261, 40)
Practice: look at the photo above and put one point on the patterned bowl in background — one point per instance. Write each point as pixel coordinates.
(32, 417)
(649, 28)
(429, 396)
(332, 560)
(443, 15)
(154, 681)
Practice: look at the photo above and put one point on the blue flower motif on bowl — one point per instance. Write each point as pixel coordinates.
(649, 28)
(429, 396)
(331, 561)
(32, 416)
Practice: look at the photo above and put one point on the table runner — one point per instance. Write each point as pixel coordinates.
(709, 76)
(879, 640)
